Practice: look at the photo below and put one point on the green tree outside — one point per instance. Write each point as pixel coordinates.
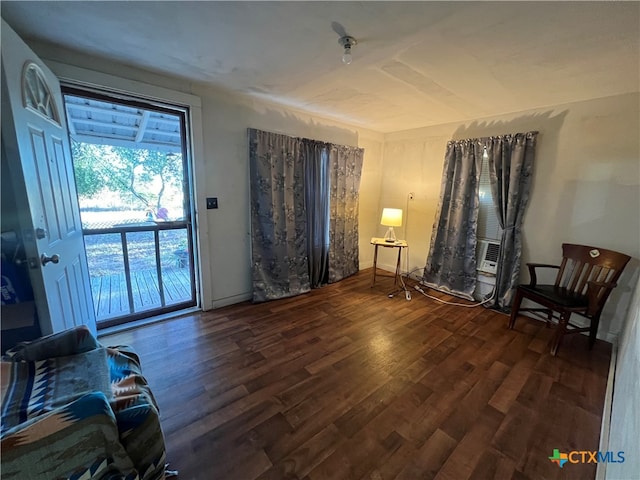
(140, 176)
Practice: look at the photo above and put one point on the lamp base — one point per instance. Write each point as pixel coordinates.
(390, 236)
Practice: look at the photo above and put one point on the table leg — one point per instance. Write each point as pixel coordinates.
(375, 262)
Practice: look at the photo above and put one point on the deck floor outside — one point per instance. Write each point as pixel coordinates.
(111, 300)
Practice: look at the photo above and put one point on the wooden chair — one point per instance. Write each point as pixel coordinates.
(584, 281)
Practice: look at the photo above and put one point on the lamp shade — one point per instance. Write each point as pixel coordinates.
(391, 217)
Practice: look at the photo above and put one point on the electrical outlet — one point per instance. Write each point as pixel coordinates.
(212, 202)
(411, 195)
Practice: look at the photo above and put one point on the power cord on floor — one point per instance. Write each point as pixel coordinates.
(403, 286)
(419, 288)
(405, 289)
(466, 305)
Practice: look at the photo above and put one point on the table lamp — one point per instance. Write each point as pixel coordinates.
(391, 217)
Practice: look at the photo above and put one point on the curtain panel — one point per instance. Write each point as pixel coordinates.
(304, 213)
(278, 221)
(345, 171)
(510, 159)
(316, 169)
(451, 262)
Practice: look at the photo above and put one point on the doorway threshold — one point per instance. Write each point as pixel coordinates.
(146, 321)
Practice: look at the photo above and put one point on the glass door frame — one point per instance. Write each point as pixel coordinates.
(183, 113)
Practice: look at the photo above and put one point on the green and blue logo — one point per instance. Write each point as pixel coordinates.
(585, 456)
(559, 458)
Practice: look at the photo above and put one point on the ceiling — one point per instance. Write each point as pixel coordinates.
(416, 63)
(108, 123)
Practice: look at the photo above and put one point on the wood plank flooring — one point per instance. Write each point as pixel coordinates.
(346, 383)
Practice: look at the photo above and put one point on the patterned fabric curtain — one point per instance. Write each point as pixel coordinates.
(304, 213)
(345, 166)
(451, 263)
(316, 169)
(510, 167)
(278, 220)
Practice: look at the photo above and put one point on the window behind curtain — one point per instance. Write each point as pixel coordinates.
(488, 224)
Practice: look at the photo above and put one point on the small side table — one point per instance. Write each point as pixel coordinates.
(399, 244)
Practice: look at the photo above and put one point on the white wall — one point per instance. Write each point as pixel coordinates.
(225, 120)
(370, 187)
(624, 428)
(585, 184)
(224, 166)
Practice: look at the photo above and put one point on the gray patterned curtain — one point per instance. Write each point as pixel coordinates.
(510, 168)
(451, 263)
(345, 166)
(278, 220)
(304, 213)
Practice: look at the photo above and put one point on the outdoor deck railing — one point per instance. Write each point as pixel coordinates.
(155, 228)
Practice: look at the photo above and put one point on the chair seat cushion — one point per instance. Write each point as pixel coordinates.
(558, 295)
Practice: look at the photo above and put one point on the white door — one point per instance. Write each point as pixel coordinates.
(34, 134)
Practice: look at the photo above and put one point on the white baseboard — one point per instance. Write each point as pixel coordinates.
(365, 265)
(224, 302)
(388, 267)
(605, 427)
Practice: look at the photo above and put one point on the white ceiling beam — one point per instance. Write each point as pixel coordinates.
(70, 125)
(143, 126)
(162, 132)
(127, 143)
(133, 128)
(99, 123)
(167, 121)
(119, 113)
(103, 110)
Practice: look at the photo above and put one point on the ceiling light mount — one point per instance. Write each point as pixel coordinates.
(347, 42)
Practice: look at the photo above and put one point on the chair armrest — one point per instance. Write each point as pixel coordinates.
(532, 271)
(597, 292)
(136, 412)
(69, 342)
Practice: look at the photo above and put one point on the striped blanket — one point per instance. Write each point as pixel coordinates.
(73, 409)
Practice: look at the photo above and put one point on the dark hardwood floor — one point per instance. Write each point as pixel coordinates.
(345, 382)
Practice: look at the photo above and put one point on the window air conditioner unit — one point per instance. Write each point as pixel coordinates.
(487, 259)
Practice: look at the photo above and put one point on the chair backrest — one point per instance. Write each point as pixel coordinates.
(582, 264)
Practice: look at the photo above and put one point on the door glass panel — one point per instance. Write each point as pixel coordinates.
(36, 93)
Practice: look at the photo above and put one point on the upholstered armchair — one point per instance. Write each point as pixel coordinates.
(72, 408)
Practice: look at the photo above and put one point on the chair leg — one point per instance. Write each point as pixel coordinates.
(549, 318)
(515, 308)
(593, 330)
(560, 331)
